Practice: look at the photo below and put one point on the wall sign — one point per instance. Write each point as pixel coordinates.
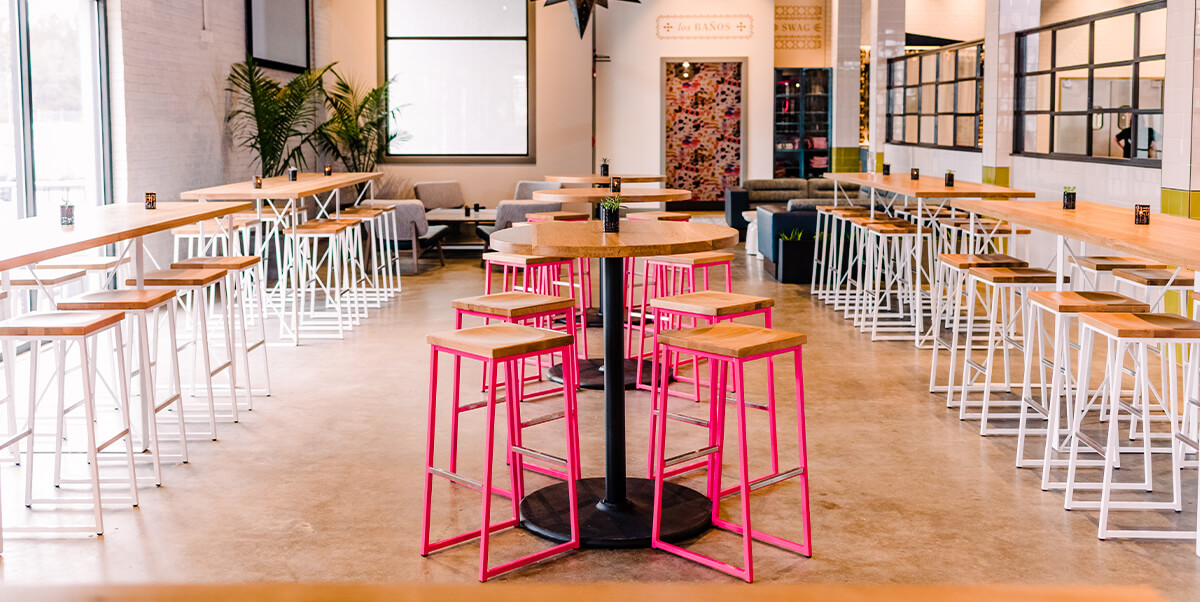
(801, 29)
(711, 27)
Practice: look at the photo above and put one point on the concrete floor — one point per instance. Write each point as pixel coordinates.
(322, 481)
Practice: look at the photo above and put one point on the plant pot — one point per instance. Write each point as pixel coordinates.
(1069, 201)
(611, 219)
(949, 180)
(604, 169)
(915, 174)
(67, 215)
(794, 261)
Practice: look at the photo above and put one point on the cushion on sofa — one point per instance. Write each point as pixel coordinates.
(802, 204)
(777, 184)
(822, 188)
(774, 196)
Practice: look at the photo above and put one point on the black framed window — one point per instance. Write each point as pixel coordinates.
(1091, 88)
(460, 76)
(935, 98)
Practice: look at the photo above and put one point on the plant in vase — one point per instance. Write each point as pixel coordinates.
(356, 131)
(1068, 197)
(610, 213)
(67, 213)
(793, 257)
(275, 121)
(949, 178)
(604, 166)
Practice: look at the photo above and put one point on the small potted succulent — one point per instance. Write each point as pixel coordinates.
(67, 213)
(1068, 198)
(915, 174)
(949, 178)
(610, 213)
(604, 166)
(793, 257)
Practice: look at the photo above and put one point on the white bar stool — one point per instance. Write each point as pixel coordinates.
(1151, 285)
(1090, 270)
(46, 284)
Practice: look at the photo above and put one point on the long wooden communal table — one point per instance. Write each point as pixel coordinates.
(1167, 238)
(923, 190)
(285, 200)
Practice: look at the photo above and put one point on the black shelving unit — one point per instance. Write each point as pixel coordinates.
(802, 123)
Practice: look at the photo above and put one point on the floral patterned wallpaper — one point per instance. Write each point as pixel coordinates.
(704, 128)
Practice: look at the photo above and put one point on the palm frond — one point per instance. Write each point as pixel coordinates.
(276, 122)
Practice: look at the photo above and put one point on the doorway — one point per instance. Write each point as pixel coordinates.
(703, 137)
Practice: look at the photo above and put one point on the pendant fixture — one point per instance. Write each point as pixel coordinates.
(582, 10)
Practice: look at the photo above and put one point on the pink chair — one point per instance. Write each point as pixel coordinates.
(727, 345)
(502, 347)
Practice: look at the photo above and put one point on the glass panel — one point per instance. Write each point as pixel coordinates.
(910, 100)
(1071, 47)
(912, 72)
(897, 100)
(910, 129)
(1070, 134)
(927, 124)
(927, 98)
(966, 131)
(10, 194)
(929, 68)
(474, 18)
(1036, 96)
(968, 62)
(1110, 133)
(966, 97)
(1153, 34)
(1112, 87)
(1114, 37)
(1072, 90)
(1036, 134)
(897, 129)
(65, 88)
(1149, 137)
(460, 97)
(946, 66)
(945, 101)
(1150, 85)
(897, 72)
(945, 127)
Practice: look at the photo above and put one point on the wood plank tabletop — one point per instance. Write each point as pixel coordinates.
(636, 239)
(43, 237)
(306, 184)
(599, 179)
(595, 195)
(927, 187)
(1168, 238)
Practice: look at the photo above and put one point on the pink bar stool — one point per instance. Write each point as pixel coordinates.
(728, 345)
(667, 275)
(501, 347)
(541, 275)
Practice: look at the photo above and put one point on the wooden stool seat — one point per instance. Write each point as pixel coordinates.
(236, 262)
(26, 277)
(513, 304)
(366, 212)
(1001, 230)
(863, 220)
(1016, 275)
(126, 299)
(1158, 277)
(842, 210)
(699, 258)
(514, 259)
(962, 261)
(557, 216)
(712, 303)
(1143, 326)
(659, 216)
(496, 341)
(1101, 263)
(320, 228)
(180, 278)
(1074, 302)
(79, 262)
(730, 339)
(59, 323)
(892, 228)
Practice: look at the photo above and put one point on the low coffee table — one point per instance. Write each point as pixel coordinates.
(458, 216)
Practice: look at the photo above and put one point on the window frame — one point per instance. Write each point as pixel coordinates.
(1134, 62)
(530, 156)
(898, 138)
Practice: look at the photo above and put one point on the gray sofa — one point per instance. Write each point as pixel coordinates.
(780, 191)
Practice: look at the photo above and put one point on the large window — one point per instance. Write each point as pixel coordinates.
(459, 75)
(935, 97)
(53, 123)
(1092, 88)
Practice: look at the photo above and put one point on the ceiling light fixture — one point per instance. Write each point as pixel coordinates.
(582, 10)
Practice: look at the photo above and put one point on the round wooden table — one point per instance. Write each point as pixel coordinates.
(598, 179)
(615, 511)
(595, 195)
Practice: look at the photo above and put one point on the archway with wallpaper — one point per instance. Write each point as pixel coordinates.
(703, 126)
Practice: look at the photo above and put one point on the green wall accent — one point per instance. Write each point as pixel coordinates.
(845, 159)
(878, 163)
(997, 176)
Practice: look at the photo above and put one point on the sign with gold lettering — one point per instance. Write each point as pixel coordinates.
(691, 27)
(800, 32)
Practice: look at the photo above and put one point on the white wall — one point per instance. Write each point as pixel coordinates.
(967, 166)
(629, 102)
(953, 19)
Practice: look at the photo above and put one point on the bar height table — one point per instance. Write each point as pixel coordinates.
(614, 511)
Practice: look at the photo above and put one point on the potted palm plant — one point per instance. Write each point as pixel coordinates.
(610, 213)
(276, 122)
(356, 132)
(794, 257)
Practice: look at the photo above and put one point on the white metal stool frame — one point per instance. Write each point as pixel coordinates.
(310, 262)
(827, 271)
(888, 257)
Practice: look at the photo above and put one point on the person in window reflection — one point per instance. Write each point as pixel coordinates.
(1124, 139)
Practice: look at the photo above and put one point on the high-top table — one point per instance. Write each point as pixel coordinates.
(326, 192)
(614, 512)
(597, 179)
(925, 190)
(1167, 238)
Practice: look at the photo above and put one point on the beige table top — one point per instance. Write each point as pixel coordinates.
(927, 187)
(595, 195)
(599, 179)
(1168, 238)
(42, 237)
(456, 215)
(306, 184)
(636, 239)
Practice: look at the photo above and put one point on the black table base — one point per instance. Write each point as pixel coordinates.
(591, 373)
(686, 514)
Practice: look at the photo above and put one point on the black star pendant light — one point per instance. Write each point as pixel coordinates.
(582, 10)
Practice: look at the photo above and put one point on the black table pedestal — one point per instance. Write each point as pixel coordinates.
(591, 373)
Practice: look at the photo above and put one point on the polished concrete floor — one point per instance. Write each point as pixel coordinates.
(322, 481)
